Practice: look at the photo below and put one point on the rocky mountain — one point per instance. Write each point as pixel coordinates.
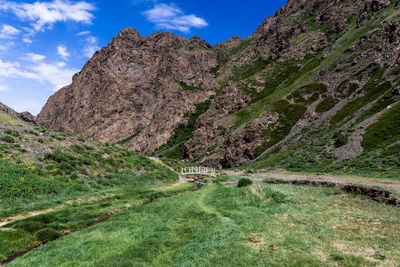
(316, 86)
(8, 114)
(136, 89)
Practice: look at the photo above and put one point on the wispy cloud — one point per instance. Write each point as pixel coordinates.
(84, 33)
(63, 52)
(44, 14)
(8, 32)
(55, 74)
(170, 17)
(34, 57)
(91, 46)
(27, 40)
(4, 88)
(4, 46)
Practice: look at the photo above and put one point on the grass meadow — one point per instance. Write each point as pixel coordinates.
(258, 225)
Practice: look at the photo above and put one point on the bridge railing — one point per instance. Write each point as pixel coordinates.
(198, 170)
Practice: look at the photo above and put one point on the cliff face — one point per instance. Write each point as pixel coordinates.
(313, 80)
(136, 86)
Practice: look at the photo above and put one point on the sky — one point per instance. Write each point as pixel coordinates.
(44, 43)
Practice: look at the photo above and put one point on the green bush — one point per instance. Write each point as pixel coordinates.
(326, 105)
(244, 182)
(47, 234)
(186, 87)
(340, 139)
(309, 93)
(7, 139)
(40, 129)
(12, 132)
(31, 132)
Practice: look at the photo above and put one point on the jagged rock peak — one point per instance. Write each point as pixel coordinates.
(165, 39)
(197, 41)
(129, 33)
(235, 39)
(128, 36)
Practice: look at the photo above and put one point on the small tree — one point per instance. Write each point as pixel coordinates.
(244, 182)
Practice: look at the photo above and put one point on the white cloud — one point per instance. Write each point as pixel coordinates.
(54, 74)
(43, 72)
(27, 40)
(34, 57)
(4, 46)
(62, 51)
(4, 88)
(8, 32)
(90, 46)
(170, 17)
(44, 14)
(84, 33)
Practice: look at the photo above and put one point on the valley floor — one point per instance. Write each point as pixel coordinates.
(225, 225)
(392, 185)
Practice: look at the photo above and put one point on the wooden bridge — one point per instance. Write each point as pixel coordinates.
(198, 171)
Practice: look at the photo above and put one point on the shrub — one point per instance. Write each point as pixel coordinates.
(12, 132)
(31, 132)
(326, 105)
(7, 138)
(244, 182)
(186, 87)
(40, 129)
(340, 139)
(47, 234)
(309, 93)
(81, 139)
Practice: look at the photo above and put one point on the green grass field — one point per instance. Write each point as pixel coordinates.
(290, 226)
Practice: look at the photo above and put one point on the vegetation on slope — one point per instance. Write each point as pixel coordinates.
(39, 166)
(175, 148)
(385, 131)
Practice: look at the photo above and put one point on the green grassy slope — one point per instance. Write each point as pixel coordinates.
(362, 91)
(77, 180)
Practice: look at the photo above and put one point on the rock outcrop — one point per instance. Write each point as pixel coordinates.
(133, 87)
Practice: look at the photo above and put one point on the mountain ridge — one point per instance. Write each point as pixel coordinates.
(315, 66)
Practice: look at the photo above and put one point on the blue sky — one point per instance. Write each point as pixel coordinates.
(44, 42)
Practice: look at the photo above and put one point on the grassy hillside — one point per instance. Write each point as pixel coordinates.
(76, 180)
